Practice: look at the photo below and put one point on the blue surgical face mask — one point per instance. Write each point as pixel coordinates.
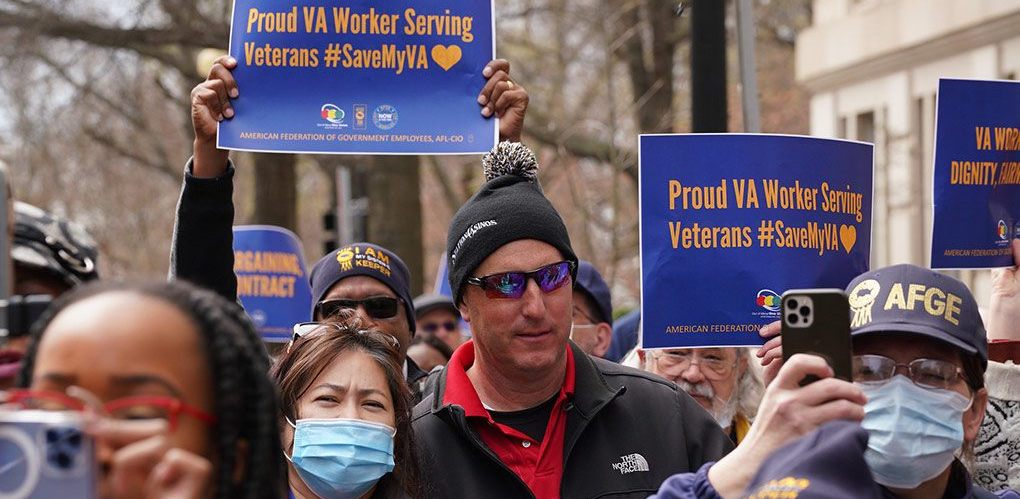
(913, 431)
(341, 458)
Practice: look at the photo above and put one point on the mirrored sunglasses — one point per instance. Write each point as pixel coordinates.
(513, 284)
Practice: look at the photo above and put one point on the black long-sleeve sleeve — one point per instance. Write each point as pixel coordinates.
(202, 249)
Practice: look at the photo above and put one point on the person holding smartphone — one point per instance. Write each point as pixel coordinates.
(919, 355)
(172, 381)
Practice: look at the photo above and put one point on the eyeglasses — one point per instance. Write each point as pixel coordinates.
(141, 407)
(929, 373)
(512, 284)
(377, 307)
(432, 327)
(712, 365)
(303, 329)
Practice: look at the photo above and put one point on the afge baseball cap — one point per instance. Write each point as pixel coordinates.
(915, 300)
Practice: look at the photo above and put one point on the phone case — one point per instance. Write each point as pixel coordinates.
(827, 336)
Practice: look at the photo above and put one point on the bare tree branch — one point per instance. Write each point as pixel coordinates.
(450, 196)
(127, 152)
(578, 144)
(168, 45)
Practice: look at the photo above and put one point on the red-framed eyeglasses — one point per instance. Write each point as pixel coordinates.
(138, 407)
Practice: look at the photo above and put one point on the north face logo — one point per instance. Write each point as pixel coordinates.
(631, 463)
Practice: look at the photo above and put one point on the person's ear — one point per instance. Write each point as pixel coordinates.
(972, 417)
(603, 337)
(641, 358)
(464, 312)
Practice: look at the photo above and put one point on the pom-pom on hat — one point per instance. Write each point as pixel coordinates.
(510, 206)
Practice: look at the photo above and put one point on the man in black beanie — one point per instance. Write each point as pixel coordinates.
(520, 411)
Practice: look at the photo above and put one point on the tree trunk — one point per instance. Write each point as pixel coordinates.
(394, 211)
(276, 190)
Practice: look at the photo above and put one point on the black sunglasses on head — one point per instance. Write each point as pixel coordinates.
(377, 307)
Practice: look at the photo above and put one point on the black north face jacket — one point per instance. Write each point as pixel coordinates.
(619, 416)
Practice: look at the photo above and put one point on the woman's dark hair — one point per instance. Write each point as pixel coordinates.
(309, 355)
(245, 404)
(435, 343)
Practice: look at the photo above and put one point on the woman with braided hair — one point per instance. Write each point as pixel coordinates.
(178, 376)
(346, 413)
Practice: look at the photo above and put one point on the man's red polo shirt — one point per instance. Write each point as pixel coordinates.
(538, 464)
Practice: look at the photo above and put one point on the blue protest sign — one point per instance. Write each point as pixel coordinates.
(730, 221)
(272, 281)
(442, 285)
(360, 76)
(977, 174)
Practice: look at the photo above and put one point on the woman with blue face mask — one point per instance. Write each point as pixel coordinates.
(346, 414)
(919, 355)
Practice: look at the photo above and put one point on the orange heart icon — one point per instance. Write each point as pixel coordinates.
(848, 236)
(446, 57)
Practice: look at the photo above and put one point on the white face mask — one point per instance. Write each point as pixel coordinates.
(914, 432)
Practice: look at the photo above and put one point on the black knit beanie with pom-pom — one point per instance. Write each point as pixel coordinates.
(510, 206)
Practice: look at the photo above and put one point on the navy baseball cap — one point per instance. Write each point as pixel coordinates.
(365, 259)
(590, 281)
(826, 463)
(915, 300)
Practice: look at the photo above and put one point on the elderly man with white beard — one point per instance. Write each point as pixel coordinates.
(720, 379)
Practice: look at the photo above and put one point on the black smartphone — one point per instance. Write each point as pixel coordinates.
(817, 322)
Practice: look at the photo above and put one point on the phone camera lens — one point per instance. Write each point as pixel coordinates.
(805, 311)
(791, 304)
(793, 318)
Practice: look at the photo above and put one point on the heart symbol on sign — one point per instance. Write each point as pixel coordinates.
(446, 57)
(848, 236)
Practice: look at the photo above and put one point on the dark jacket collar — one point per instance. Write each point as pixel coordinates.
(591, 391)
(414, 373)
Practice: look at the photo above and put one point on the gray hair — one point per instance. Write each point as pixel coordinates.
(750, 387)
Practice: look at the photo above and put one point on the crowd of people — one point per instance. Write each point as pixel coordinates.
(383, 396)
